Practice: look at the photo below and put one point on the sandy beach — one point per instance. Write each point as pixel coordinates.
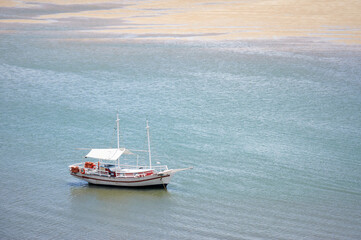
(331, 20)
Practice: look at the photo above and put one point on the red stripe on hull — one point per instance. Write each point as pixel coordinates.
(119, 181)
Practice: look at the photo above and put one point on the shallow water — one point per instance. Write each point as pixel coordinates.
(273, 135)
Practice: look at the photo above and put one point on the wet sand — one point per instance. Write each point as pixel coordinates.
(330, 20)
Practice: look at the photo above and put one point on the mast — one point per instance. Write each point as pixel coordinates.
(118, 140)
(118, 129)
(150, 155)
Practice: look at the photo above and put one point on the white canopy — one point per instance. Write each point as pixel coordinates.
(107, 154)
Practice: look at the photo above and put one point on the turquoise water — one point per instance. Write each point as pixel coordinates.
(273, 135)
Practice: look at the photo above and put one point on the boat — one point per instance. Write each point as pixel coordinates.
(106, 168)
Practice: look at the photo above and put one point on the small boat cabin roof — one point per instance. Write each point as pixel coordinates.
(108, 154)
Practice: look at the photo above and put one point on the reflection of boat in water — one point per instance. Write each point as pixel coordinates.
(116, 204)
(81, 190)
(108, 170)
(103, 191)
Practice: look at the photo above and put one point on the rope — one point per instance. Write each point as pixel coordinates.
(165, 188)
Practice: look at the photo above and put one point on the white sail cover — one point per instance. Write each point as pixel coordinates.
(107, 154)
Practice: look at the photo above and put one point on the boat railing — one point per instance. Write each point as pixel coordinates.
(158, 168)
(118, 169)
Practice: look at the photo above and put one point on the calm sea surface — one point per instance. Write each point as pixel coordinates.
(274, 136)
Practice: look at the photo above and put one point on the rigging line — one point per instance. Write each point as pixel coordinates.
(165, 188)
(113, 135)
(121, 140)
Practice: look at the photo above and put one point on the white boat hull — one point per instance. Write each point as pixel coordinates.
(147, 181)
